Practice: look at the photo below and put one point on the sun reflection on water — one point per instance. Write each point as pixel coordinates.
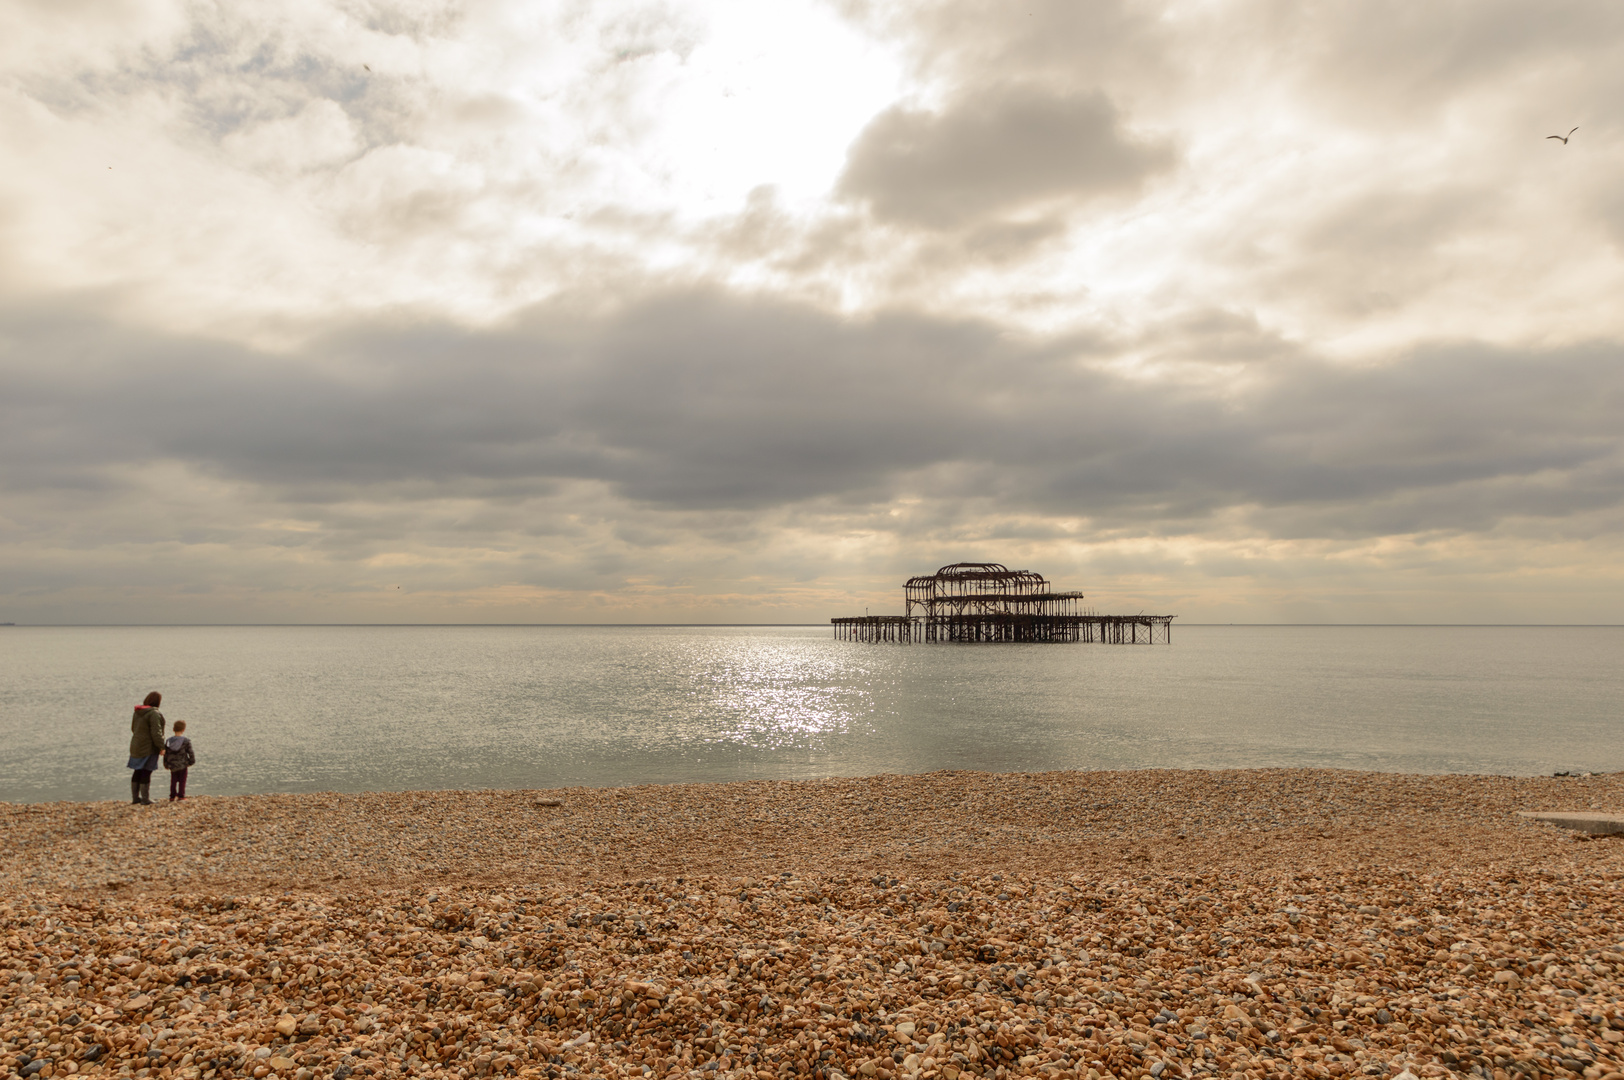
(368, 708)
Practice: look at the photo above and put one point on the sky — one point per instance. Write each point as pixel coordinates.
(492, 311)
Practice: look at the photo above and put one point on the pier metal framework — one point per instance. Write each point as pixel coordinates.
(977, 602)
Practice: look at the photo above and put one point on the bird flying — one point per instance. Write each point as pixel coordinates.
(1563, 138)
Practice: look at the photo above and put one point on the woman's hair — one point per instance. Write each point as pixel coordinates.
(180, 726)
(153, 699)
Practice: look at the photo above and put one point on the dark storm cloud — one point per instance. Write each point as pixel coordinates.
(993, 152)
(701, 401)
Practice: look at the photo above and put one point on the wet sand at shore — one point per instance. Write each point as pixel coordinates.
(1190, 923)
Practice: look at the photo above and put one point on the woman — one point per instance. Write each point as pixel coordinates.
(146, 747)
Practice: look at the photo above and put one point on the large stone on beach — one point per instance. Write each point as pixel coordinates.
(1585, 821)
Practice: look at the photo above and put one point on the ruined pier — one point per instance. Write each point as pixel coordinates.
(988, 602)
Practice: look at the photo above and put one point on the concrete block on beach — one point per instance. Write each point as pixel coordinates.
(1586, 821)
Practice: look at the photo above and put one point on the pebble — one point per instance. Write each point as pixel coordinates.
(897, 928)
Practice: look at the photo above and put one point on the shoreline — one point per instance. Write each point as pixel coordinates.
(119, 800)
(1153, 922)
(952, 819)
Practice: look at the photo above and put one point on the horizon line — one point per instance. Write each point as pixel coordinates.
(607, 625)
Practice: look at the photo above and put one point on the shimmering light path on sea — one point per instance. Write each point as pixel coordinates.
(379, 708)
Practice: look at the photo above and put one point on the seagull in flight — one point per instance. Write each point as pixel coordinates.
(1563, 138)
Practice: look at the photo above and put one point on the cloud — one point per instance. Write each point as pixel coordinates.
(635, 297)
(998, 151)
(978, 43)
(703, 402)
(319, 134)
(1383, 61)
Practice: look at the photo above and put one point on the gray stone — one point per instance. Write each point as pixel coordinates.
(1585, 821)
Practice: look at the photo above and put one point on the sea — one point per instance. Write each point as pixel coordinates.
(368, 708)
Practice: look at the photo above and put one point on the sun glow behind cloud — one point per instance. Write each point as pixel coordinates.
(296, 163)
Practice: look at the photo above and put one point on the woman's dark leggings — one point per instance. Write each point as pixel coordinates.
(177, 784)
(143, 776)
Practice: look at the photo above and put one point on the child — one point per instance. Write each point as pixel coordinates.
(178, 757)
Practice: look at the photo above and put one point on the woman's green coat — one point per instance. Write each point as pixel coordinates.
(146, 732)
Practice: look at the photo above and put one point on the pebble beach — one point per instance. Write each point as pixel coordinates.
(1252, 924)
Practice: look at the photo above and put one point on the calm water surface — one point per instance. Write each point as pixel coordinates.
(371, 708)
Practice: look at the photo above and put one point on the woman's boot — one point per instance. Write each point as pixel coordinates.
(135, 792)
(146, 793)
